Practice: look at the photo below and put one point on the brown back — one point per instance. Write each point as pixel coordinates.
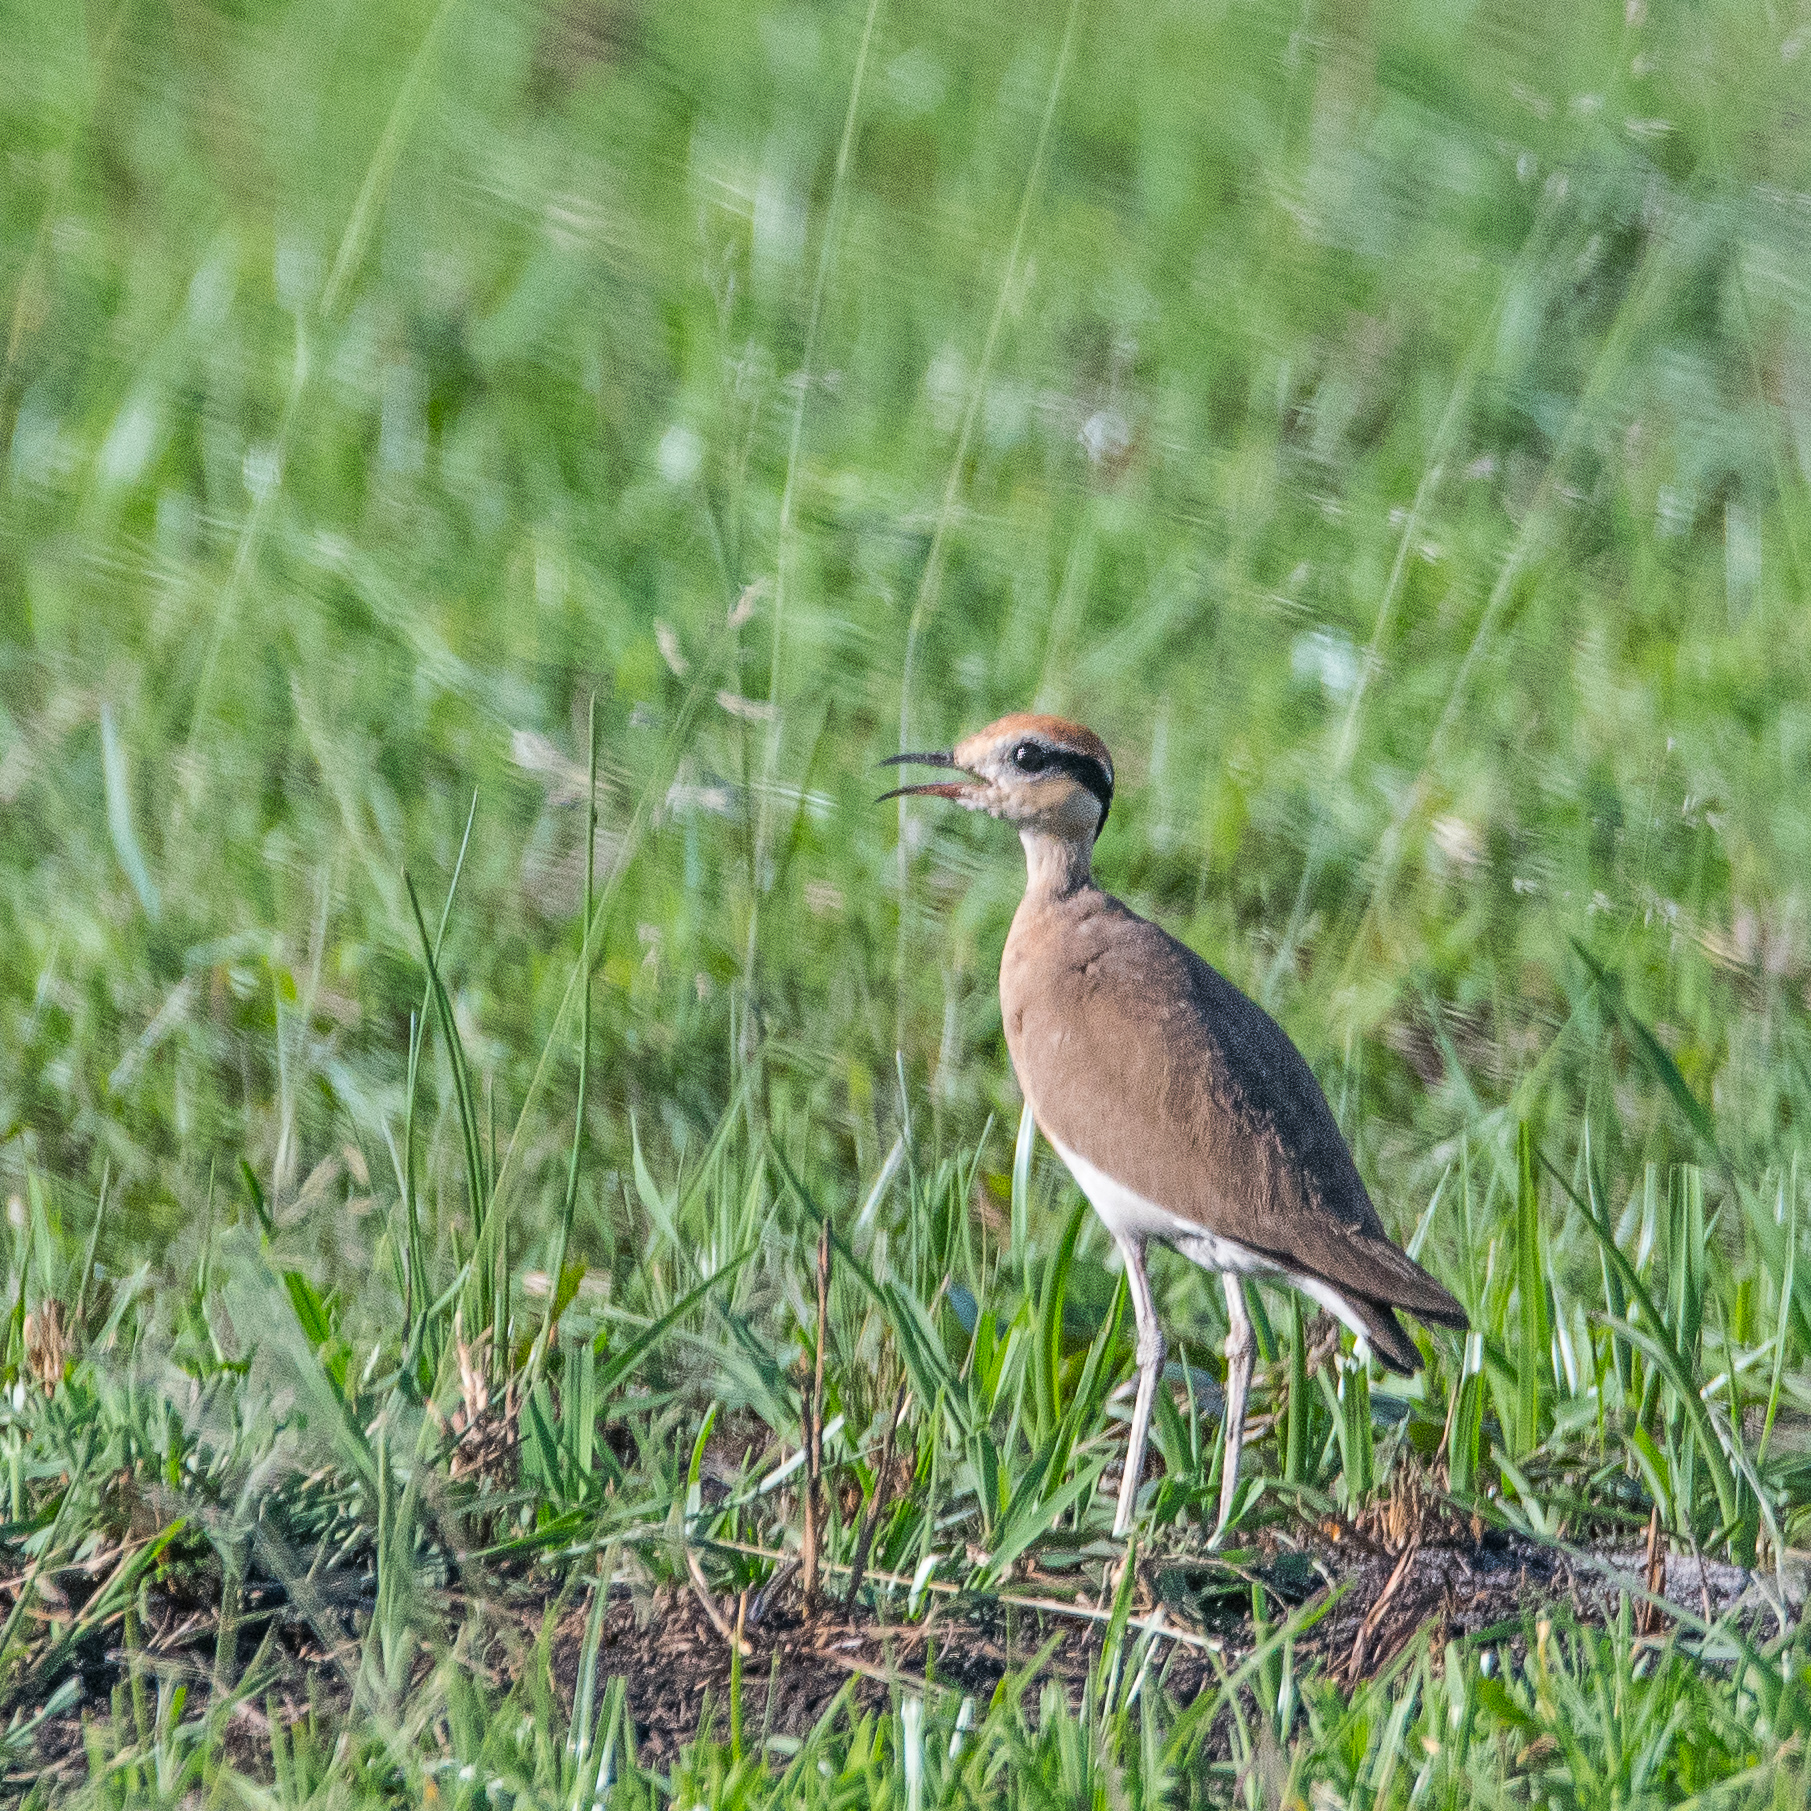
(1143, 1059)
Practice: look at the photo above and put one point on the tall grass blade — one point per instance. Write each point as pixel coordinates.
(1535, 1326)
(1295, 1416)
(1048, 1352)
(569, 1202)
(620, 1363)
(1653, 1055)
(1024, 1147)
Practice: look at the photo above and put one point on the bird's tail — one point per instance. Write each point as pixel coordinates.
(1389, 1338)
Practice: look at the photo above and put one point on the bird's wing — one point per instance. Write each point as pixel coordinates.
(1145, 1061)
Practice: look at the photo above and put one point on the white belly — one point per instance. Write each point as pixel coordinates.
(1129, 1216)
(1131, 1219)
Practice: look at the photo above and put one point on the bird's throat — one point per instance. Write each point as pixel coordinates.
(1055, 866)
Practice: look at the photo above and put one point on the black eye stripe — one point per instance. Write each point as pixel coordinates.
(1085, 770)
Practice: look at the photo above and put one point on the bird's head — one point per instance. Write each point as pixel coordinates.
(1045, 774)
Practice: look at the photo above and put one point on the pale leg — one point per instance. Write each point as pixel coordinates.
(1240, 1352)
(1150, 1368)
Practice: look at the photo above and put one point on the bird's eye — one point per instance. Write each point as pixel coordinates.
(1029, 758)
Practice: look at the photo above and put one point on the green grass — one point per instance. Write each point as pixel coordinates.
(1389, 428)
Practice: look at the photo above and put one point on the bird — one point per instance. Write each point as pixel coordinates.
(1181, 1108)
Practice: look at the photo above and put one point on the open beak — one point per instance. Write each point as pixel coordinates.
(937, 789)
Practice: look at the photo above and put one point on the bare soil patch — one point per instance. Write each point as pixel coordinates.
(676, 1662)
(1444, 1582)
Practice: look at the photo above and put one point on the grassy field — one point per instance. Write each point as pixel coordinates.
(448, 1255)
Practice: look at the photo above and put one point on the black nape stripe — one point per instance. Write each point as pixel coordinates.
(1086, 771)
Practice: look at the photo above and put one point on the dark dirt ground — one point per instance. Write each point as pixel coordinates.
(1448, 1579)
(673, 1657)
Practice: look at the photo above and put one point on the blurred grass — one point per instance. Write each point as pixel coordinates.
(1391, 443)
(1389, 427)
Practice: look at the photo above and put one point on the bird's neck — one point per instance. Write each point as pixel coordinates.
(1056, 866)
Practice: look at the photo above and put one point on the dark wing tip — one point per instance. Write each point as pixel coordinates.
(1431, 1301)
(1397, 1281)
(1389, 1338)
(1448, 1314)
